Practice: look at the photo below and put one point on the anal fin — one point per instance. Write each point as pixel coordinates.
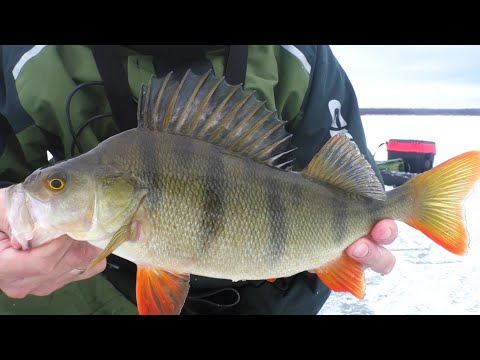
(160, 292)
(343, 275)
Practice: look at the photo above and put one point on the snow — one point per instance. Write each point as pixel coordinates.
(426, 279)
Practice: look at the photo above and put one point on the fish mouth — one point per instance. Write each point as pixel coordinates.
(24, 216)
(18, 215)
(24, 198)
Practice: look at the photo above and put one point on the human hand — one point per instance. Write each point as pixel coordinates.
(370, 251)
(42, 270)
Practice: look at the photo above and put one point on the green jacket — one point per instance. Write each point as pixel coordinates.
(304, 84)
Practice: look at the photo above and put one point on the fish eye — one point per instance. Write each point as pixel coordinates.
(56, 180)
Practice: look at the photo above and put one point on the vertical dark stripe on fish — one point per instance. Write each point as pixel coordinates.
(150, 158)
(277, 235)
(338, 225)
(296, 195)
(213, 202)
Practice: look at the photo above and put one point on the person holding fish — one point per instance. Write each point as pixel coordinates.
(199, 190)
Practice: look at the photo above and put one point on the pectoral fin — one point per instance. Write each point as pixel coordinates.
(123, 234)
(160, 292)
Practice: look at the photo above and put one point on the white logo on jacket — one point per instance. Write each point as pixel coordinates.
(339, 125)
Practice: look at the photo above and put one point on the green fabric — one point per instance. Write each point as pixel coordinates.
(68, 66)
(274, 74)
(140, 69)
(28, 140)
(94, 296)
(44, 99)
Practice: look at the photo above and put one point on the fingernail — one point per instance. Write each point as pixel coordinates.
(389, 269)
(386, 234)
(360, 251)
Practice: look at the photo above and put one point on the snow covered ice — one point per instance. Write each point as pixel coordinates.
(427, 279)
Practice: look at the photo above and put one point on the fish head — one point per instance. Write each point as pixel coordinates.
(83, 199)
(61, 197)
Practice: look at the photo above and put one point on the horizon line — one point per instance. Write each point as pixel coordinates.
(420, 111)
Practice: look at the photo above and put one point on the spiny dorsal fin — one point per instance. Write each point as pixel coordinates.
(340, 163)
(209, 109)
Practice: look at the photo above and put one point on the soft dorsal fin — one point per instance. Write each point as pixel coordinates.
(209, 109)
(341, 164)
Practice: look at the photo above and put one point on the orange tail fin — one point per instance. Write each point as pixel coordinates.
(439, 195)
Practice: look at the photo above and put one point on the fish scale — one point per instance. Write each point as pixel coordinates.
(260, 228)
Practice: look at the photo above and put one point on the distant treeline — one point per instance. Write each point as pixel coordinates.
(404, 111)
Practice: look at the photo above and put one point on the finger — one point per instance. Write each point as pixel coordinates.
(49, 287)
(384, 232)
(15, 244)
(78, 256)
(5, 244)
(100, 267)
(373, 255)
(41, 260)
(13, 292)
(54, 249)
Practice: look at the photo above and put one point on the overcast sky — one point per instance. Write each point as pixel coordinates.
(425, 76)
